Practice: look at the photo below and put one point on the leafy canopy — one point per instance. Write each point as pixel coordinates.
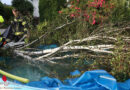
(23, 6)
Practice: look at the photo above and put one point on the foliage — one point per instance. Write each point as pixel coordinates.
(116, 64)
(6, 12)
(87, 16)
(24, 6)
(98, 11)
(42, 25)
(121, 12)
(1, 9)
(49, 8)
(91, 11)
(73, 31)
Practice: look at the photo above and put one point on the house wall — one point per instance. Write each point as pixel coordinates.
(36, 7)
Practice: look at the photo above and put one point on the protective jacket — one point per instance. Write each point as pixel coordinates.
(1, 37)
(19, 28)
(2, 40)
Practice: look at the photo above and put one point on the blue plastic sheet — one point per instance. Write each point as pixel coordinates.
(1, 58)
(43, 47)
(124, 86)
(90, 80)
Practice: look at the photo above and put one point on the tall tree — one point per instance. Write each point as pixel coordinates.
(6, 11)
(1, 9)
(23, 6)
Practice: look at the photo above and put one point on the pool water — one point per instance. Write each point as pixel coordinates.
(24, 68)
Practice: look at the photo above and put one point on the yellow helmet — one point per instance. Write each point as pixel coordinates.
(1, 19)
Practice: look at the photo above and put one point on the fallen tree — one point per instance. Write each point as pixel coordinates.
(73, 45)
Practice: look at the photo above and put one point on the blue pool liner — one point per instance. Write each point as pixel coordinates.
(90, 80)
(43, 47)
(2, 58)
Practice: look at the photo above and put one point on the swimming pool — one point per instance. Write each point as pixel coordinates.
(35, 70)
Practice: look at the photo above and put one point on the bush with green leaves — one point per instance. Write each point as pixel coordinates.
(92, 11)
(1, 9)
(6, 12)
(79, 29)
(121, 12)
(49, 8)
(117, 64)
(87, 14)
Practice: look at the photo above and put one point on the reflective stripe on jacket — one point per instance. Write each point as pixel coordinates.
(1, 39)
(19, 33)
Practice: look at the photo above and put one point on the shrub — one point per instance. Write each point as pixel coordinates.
(83, 12)
(1, 9)
(117, 64)
(92, 11)
(6, 12)
(82, 26)
(121, 11)
(88, 14)
(49, 8)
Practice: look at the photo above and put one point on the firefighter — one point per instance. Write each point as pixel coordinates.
(2, 39)
(19, 26)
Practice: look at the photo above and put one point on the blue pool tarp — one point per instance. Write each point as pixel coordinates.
(2, 58)
(43, 47)
(90, 80)
(124, 86)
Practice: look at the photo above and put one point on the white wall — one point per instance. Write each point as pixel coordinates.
(36, 7)
(69, 5)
